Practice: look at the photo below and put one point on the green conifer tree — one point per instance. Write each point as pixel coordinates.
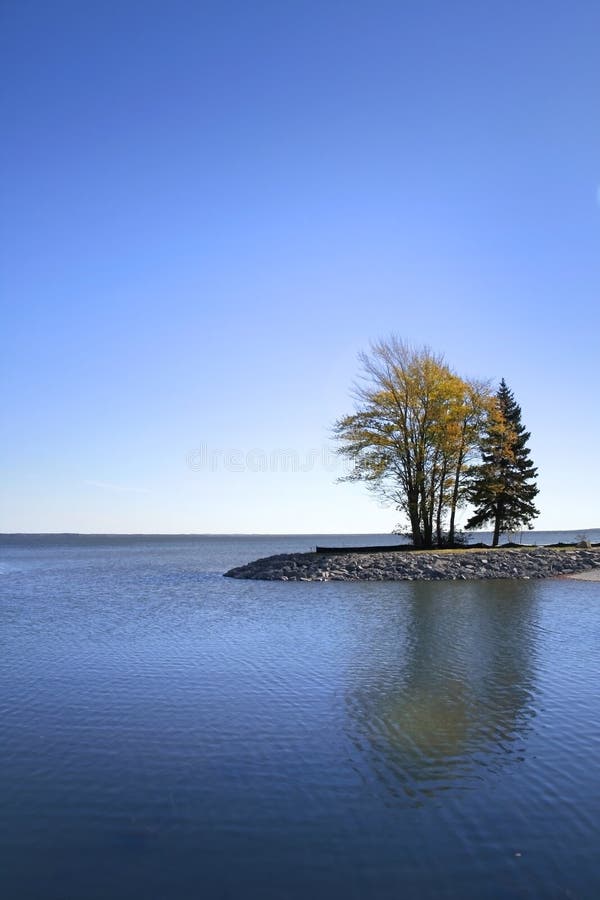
(503, 484)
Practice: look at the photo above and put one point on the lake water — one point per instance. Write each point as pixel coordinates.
(169, 733)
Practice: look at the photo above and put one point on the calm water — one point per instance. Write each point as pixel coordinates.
(168, 733)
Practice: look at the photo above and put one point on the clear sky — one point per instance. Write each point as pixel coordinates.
(209, 209)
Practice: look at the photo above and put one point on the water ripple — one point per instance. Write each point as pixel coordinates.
(164, 727)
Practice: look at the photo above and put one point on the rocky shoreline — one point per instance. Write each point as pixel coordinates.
(538, 562)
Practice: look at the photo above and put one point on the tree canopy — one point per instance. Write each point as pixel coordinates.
(502, 487)
(415, 429)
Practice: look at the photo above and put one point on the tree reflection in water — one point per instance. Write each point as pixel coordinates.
(450, 697)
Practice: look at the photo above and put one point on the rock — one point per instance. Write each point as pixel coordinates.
(540, 562)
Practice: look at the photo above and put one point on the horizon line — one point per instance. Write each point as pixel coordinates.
(246, 533)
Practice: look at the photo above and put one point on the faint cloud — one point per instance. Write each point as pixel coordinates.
(120, 488)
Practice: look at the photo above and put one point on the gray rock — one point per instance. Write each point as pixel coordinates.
(542, 562)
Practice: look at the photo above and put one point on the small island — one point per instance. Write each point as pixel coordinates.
(427, 565)
(431, 442)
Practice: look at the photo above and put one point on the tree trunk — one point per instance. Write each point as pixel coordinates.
(497, 524)
(455, 495)
(451, 526)
(416, 534)
(427, 518)
(440, 509)
(413, 515)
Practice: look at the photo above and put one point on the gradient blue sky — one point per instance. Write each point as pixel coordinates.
(209, 208)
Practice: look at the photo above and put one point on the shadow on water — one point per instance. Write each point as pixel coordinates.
(454, 697)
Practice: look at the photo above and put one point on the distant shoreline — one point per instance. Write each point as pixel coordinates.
(190, 535)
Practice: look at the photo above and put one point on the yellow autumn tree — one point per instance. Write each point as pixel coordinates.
(415, 426)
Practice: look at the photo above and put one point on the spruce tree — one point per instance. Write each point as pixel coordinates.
(503, 484)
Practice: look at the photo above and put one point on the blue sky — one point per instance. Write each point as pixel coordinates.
(210, 208)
